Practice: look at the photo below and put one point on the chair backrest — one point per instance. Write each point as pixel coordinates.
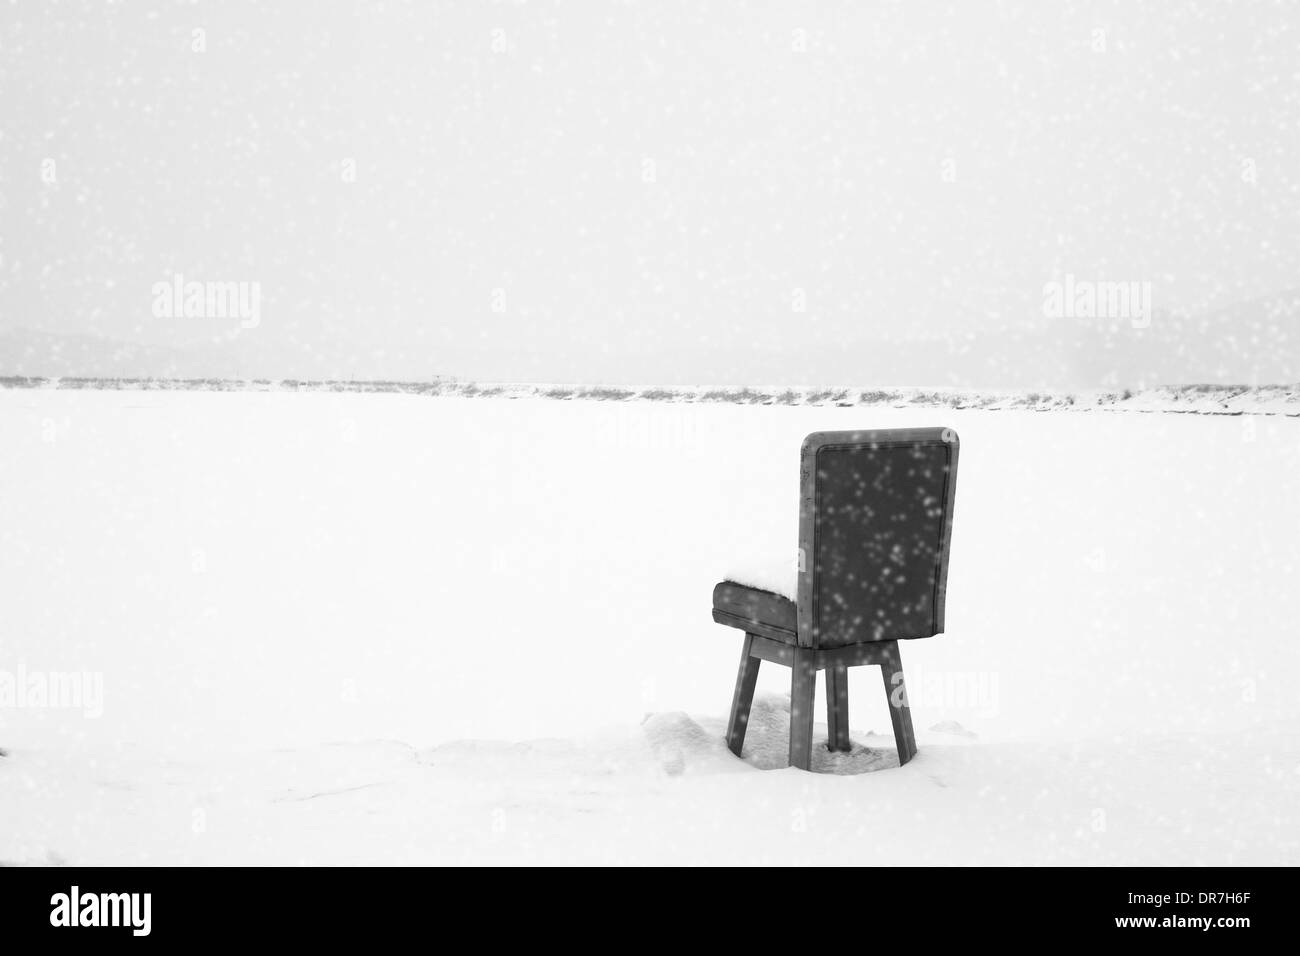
(875, 524)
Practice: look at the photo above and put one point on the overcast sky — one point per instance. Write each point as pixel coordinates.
(652, 192)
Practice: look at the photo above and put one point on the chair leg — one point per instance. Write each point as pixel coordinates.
(746, 678)
(803, 692)
(900, 715)
(837, 707)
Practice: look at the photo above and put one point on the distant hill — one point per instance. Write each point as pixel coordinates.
(1253, 343)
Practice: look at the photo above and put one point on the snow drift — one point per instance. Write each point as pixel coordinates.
(268, 583)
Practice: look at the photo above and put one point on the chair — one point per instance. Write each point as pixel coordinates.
(875, 524)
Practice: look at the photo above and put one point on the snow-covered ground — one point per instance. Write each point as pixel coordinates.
(396, 628)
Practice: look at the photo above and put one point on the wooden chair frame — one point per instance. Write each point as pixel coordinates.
(804, 656)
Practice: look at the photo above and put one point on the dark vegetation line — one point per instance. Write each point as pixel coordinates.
(1283, 400)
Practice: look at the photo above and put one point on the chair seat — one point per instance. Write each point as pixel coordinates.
(756, 611)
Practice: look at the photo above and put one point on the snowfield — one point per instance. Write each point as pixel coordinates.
(318, 627)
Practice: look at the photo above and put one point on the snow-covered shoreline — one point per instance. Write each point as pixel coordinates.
(1232, 400)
